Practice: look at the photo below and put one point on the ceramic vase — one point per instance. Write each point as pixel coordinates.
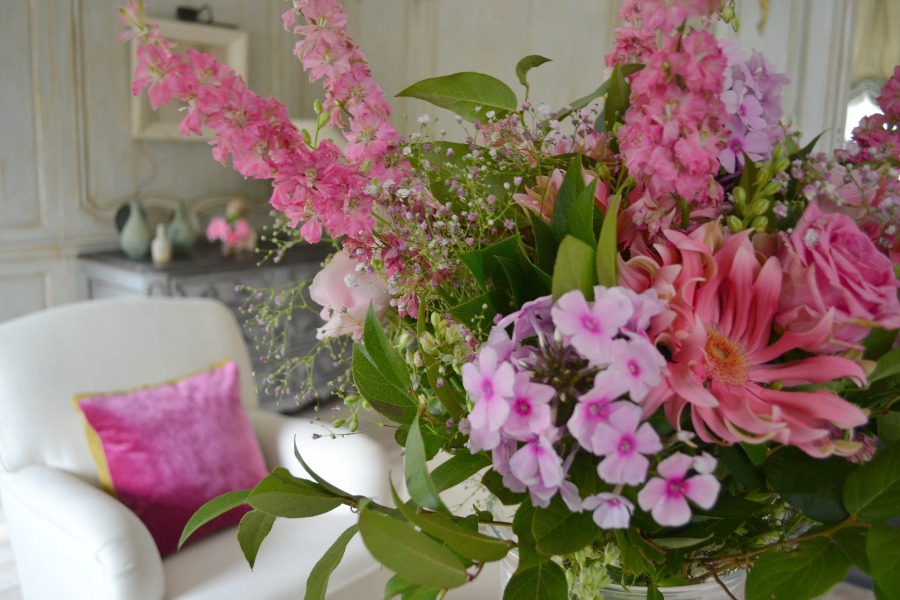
(161, 247)
(182, 234)
(135, 236)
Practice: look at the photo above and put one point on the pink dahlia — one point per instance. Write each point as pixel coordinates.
(727, 369)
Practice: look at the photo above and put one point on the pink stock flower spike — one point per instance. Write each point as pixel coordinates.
(624, 441)
(611, 511)
(666, 497)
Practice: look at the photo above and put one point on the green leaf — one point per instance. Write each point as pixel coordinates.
(459, 468)
(632, 560)
(807, 149)
(418, 482)
(736, 462)
(545, 581)
(537, 283)
(464, 92)
(887, 366)
(580, 220)
(871, 492)
(470, 544)
(852, 542)
(493, 481)
(382, 353)
(517, 280)
(317, 583)
(569, 189)
(811, 485)
(757, 453)
(397, 586)
(445, 393)
(212, 509)
(800, 575)
(607, 246)
(574, 268)
(478, 314)
(889, 427)
(653, 592)
(582, 102)
(385, 397)
(557, 530)
(283, 495)
(878, 342)
(618, 98)
(253, 529)
(544, 245)
(483, 263)
(881, 545)
(329, 487)
(409, 553)
(523, 521)
(526, 64)
(676, 543)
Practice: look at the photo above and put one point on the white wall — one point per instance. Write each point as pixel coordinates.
(67, 160)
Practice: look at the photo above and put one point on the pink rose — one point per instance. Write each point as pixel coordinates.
(346, 294)
(830, 263)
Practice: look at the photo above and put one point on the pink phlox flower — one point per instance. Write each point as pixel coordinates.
(637, 362)
(595, 407)
(754, 144)
(501, 343)
(538, 466)
(590, 327)
(490, 386)
(624, 441)
(666, 497)
(611, 511)
(530, 412)
(533, 319)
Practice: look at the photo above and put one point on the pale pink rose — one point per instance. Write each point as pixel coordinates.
(345, 295)
(830, 263)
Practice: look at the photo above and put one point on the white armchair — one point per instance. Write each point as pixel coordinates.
(70, 539)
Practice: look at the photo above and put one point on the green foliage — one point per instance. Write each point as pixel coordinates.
(884, 560)
(373, 380)
(470, 95)
(618, 96)
(458, 468)
(212, 509)
(871, 492)
(805, 573)
(317, 583)
(418, 481)
(283, 495)
(253, 529)
(526, 64)
(544, 581)
(812, 486)
(571, 188)
(559, 531)
(607, 247)
(574, 268)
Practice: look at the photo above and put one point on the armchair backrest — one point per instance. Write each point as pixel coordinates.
(101, 346)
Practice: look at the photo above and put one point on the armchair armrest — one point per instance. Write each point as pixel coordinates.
(57, 519)
(356, 463)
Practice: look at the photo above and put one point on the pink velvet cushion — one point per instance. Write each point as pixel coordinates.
(167, 449)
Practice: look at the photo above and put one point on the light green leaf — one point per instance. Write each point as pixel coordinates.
(212, 509)
(382, 353)
(458, 468)
(329, 487)
(409, 553)
(582, 102)
(574, 268)
(653, 592)
(557, 530)
(283, 495)
(881, 545)
(871, 492)
(421, 488)
(465, 92)
(526, 64)
(253, 529)
(397, 586)
(389, 400)
(469, 543)
(887, 366)
(317, 583)
(799, 575)
(676, 543)
(608, 245)
(545, 581)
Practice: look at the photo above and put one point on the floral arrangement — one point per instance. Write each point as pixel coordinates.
(233, 230)
(658, 331)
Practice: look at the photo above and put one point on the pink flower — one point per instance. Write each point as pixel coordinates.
(624, 441)
(217, 229)
(637, 363)
(590, 328)
(529, 413)
(345, 295)
(611, 511)
(491, 387)
(537, 464)
(666, 499)
(594, 408)
(831, 265)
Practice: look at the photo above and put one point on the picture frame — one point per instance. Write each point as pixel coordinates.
(229, 45)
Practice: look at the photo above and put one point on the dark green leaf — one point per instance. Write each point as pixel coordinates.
(493, 481)
(632, 560)
(607, 246)
(574, 268)
(212, 509)
(884, 559)
(571, 187)
(889, 427)
(557, 530)
(483, 263)
(582, 102)
(618, 98)
(458, 468)
(545, 581)
(465, 92)
(382, 353)
(421, 488)
(887, 366)
(580, 220)
(253, 529)
(544, 244)
(385, 397)
(517, 280)
(526, 64)
(317, 583)
(478, 314)
(537, 282)
(409, 553)
(523, 521)
(757, 453)
(878, 342)
(799, 575)
(736, 462)
(653, 592)
(813, 486)
(871, 492)
(807, 149)
(283, 495)
(468, 543)
(852, 542)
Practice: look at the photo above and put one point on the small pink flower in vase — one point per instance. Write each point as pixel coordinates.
(233, 230)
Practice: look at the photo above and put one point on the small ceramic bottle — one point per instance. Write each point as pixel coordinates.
(182, 233)
(135, 236)
(161, 247)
